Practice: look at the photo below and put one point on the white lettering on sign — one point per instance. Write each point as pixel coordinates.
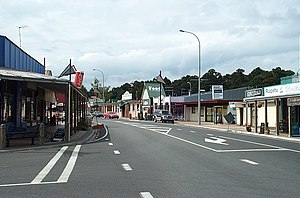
(254, 92)
(153, 88)
(288, 89)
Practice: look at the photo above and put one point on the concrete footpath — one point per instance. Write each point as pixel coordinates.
(79, 137)
(238, 129)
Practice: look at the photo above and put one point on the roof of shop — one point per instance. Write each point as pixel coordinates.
(9, 74)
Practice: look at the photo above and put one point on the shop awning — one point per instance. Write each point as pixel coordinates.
(9, 74)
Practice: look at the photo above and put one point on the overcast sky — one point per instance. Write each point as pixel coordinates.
(134, 39)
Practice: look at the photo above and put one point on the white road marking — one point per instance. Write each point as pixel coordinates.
(249, 161)
(106, 139)
(146, 195)
(220, 151)
(250, 142)
(209, 134)
(193, 143)
(70, 165)
(169, 130)
(193, 131)
(49, 166)
(28, 184)
(117, 152)
(110, 144)
(251, 150)
(178, 129)
(126, 167)
(215, 140)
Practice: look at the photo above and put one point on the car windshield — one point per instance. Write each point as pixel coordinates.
(165, 113)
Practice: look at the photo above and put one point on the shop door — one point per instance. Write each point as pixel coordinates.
(295, 120)
(218, 115)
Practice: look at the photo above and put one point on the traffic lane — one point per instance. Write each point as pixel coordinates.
(23, 166)
(99, 173)
(171, 168)
(202, 133)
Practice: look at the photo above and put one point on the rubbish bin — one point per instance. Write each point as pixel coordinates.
(248, 128)
(140, 115)
(262, 128)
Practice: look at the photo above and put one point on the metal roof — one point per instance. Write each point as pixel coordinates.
(9, 74)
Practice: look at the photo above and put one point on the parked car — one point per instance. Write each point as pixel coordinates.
(59, 135)
(111, 115)
(163, 116)
(98, 114)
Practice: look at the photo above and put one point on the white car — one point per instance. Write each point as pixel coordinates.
(163, 116)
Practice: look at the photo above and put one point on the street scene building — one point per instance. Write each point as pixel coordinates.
(27, 95)
(275, 107)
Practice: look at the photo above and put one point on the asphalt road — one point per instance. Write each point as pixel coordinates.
(147, 159)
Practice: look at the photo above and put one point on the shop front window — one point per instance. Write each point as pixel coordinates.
(209, 114)
(7, 110)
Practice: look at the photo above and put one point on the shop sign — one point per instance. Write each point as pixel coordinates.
(127, 96)
(217, 92)
(152, 88)
(293, 101)
(253, 93)
(281, 90)
(146, 103)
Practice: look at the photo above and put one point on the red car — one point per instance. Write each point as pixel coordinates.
(111, 115)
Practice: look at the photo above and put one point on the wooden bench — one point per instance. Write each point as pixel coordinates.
(17, 133)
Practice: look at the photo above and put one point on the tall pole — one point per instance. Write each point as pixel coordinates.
(190, 88)
(24, 26)
(103, 91)
(199, 78)
(160, 91)
(68, 136)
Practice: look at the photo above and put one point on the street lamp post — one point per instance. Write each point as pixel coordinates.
(24, 26)
(199, 71)
(103, 88)
(190, 88)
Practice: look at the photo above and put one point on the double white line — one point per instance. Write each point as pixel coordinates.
(67, 171)
(63, 177)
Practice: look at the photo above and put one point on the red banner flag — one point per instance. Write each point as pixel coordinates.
(78, 79)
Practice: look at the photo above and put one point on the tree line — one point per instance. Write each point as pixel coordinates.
(255, 79)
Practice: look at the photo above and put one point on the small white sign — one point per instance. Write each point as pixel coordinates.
(217, 92)
(127, 96)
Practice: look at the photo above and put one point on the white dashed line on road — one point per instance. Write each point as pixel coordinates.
(209, 134)
(126, 167)
(117, 152)
(193, 131)
(110, 144)
(249, 161)
(178, 129)
(146, 195)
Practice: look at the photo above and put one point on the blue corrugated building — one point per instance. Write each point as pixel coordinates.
(13, 57)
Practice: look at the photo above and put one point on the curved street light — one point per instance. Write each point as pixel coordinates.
(199, 71)
(103, 87)
(190, 90)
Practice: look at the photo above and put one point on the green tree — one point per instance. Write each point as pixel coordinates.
(211, 77)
